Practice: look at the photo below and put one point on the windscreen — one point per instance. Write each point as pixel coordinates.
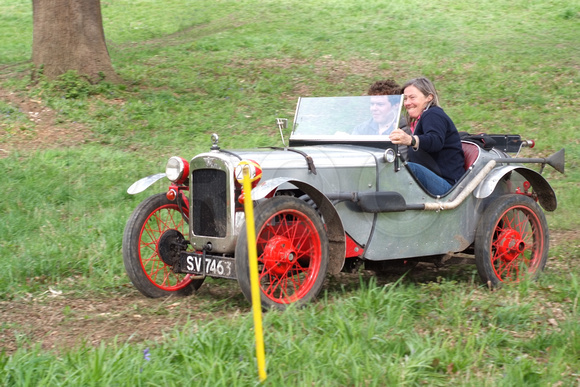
(360, 118)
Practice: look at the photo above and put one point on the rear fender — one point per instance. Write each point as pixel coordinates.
(541, 187)
(334, 227)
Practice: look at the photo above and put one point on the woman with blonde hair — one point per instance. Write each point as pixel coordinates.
(435, 154)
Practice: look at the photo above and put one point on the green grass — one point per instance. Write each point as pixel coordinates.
(232, 67)
(397, 334)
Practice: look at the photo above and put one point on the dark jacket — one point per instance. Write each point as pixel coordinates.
(439, 145)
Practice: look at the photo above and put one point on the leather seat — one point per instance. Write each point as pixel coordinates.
(471, 153)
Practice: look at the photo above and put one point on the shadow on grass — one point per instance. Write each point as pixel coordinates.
(222, 295)
(423, 273)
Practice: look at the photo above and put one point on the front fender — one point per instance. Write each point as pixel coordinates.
(266, 187)
(542, 188)
(334, 227)
(144, 183)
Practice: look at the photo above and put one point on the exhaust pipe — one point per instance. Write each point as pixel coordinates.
(469, 188)
(556, 160)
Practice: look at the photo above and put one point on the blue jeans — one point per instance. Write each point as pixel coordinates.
(432, 182)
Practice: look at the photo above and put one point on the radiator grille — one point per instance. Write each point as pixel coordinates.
(209, 202)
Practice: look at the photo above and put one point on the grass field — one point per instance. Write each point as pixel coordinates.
(69, 150)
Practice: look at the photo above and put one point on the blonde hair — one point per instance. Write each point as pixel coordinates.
(427, 88)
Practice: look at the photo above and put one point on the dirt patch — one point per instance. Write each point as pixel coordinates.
(45, 131)
(57, 321)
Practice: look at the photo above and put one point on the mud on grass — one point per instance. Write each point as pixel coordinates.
(60, 321)
(37, 127)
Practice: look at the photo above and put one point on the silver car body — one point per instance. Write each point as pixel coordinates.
(327, 165)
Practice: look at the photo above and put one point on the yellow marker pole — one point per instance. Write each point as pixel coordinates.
(254, 281)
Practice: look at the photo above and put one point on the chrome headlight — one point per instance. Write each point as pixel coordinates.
(176, 169)
(390, 155)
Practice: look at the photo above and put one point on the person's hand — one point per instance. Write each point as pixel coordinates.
(400, 137)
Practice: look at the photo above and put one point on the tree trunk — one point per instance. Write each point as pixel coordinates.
(69, 35)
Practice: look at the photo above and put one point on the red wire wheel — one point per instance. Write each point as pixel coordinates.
(292, 248)
(155, 223)
(512, 241)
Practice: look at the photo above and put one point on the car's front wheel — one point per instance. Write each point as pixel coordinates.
(292, 250)
(511, 241)
(151, 232)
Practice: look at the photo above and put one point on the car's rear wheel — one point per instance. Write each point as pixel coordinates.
(151, 233)
(511, 241)
(292, 249)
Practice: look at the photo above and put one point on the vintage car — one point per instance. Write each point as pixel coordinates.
(333, 200)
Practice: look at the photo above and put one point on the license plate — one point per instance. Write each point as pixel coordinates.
(209, 265)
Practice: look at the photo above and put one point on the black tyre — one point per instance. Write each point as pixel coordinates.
(155, 219)
(292, 248)
(511, 241)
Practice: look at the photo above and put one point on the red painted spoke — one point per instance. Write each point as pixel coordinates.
(150, 245)
(520, 226)
(305, 252)
(297, 282)
(292, 229)
(154, 269)
(283, 288)
(269, 289)
(151, 233)
(267, 271)
(159, 222)
(152, 258)
(281, 279)
(507, 221)
(518, 223)
(166, 222)
(266, 234)
(274, 285)
(504, 268)
(166, 276)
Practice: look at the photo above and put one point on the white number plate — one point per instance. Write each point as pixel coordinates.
(212, 266)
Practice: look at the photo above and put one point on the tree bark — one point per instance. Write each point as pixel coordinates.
(69, 35)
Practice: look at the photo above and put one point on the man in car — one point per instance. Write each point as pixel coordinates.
(384, 115)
